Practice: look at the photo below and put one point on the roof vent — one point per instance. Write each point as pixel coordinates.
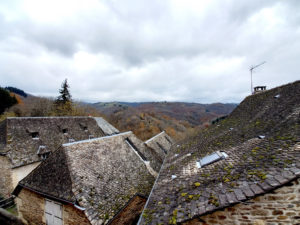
(35, 135)
(212, 158)
(277, 96)
(261, 136)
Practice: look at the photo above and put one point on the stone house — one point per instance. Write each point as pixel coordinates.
(26, 141)
(242, 170)
(98, 181)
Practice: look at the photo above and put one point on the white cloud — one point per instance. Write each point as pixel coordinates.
(137, 50)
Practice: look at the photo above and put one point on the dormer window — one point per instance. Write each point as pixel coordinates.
(85, 129)
(35, 135)
(43, 152)
(212, 158)
(65, 131)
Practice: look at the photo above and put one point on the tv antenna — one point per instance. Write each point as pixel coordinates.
(251, 69)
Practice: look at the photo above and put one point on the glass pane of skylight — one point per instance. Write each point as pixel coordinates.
(209, 159)
(214, 157)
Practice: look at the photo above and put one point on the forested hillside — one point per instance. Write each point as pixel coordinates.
(178, 119)
(145, 119)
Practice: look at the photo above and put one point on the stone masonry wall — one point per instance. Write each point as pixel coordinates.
(281, 206)
(31, 207)
(5, 177)
(73, 216)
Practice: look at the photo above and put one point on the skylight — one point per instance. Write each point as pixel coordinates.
(212, 158)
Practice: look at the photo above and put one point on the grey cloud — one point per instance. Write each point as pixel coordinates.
(150, 51)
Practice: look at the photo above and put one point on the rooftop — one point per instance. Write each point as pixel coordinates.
(22, 137)
(99, 175)
(261, 142)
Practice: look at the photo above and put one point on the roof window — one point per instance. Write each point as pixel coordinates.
(43, 152)
(65, 131)
(212, 158)
(91, 136)
(35, 135)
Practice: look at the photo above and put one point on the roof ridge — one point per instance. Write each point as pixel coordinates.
(155, 136)
(95, 139)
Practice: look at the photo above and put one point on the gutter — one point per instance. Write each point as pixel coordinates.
(16, 192)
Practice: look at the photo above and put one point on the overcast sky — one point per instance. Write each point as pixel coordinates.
(154, 50)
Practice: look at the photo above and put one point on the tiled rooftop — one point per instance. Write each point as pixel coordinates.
(22, 137)
(261, 138)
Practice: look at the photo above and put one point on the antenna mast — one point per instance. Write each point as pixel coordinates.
(251, 69)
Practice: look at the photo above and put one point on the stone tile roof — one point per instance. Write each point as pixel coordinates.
(161, 144)
(22, 137)
(261, 138)
(106, 127)
(100, 175)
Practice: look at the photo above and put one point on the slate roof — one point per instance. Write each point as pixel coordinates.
(161, 144)
(21, 138)
(100, 175)
(106, 127)
(262, 140)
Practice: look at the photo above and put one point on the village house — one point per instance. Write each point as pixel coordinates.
(243, 170)
(26, 141)
(98, 181)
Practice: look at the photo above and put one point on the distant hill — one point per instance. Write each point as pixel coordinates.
(17, 91)
(145, 119)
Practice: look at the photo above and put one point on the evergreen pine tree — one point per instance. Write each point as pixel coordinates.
(64, 100)
(65, 96)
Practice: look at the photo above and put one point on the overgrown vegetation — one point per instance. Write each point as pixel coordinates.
(41, 106)
(6, 100)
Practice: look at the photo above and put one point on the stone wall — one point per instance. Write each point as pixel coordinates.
(73, 216)
(130, 214)
(5, 177)
(281, 206)
(31, 207)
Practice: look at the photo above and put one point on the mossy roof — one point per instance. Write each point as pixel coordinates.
(100, 175)
(255, 165)
(21, 147)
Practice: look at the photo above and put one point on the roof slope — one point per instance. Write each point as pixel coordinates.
(106, 127)
(24, 136)
(105, 173)
(161, 144)
(254, 165)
